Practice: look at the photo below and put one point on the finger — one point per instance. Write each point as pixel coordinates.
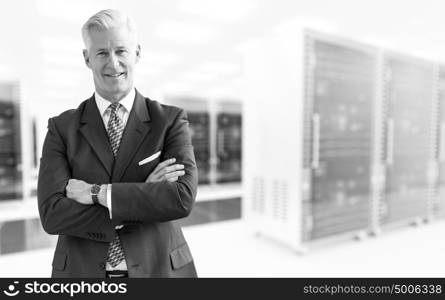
(163, 164)
(173, 179)
(166, 162)
(174, 174)
(173, 168)
(154, 177)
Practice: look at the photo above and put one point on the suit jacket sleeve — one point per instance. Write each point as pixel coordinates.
(160, 201)
(59, 214)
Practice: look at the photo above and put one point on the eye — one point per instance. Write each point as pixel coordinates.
(121, 51)
(101, 53)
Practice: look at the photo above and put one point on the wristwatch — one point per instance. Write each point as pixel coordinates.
(95, 190)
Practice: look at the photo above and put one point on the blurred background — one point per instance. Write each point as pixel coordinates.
(318, 128)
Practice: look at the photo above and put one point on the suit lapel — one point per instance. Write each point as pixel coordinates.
(137, 128)
(93, 130)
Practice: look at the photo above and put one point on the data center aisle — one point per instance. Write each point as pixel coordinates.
(227, 249)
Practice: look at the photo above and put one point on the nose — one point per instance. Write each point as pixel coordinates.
(113, 61)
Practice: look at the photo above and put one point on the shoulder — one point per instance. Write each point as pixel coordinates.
(169, 112)
(68, 117)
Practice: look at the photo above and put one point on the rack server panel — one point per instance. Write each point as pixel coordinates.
(200, 131)
(341, 93)
(216, 128)
(408, 99)
(10, 150)
(439, 199)
(200, 127)
(228, 142)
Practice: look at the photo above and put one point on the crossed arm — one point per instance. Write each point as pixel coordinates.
(80, 191)
(64, 203)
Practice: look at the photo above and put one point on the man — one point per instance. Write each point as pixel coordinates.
(116, 171)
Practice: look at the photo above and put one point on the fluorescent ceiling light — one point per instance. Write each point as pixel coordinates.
(183, 32)
(226, 11)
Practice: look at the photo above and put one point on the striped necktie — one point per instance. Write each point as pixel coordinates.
(115, 129)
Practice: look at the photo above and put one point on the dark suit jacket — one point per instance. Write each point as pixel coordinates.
(77, 146)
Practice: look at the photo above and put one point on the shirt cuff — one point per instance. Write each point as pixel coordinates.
(109, 200)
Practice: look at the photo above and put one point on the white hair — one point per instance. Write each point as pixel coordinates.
(106, 19)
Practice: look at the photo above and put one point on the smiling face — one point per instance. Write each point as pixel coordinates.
(112, 55)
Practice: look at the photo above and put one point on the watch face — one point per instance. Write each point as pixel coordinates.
(95, 189)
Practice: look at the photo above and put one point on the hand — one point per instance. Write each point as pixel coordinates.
(79, 190)
(166, 171)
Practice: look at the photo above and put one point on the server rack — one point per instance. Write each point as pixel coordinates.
(199, 124)
(439, 195)
(10, 143)
(339, 122)
(228, 142)
(408, 108)
(199, 120)
(345, 141)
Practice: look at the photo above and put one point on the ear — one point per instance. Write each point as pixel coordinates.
(86, 58)
(138, 53)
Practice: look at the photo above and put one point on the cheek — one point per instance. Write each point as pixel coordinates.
(97, 73)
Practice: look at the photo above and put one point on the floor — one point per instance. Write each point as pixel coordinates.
(228, 249)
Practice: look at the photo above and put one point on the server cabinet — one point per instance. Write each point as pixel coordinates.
(10, 149)
(199, 120)
(439, 199)
(408, 98)
(308, 136)
(228, 142)
(200, 131)
(340, 137)
(339, 121)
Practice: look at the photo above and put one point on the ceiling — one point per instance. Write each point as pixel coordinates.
(192, 46)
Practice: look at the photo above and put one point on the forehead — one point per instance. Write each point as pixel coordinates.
(112, 37)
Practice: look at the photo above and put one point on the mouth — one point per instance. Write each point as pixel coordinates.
(114, 75)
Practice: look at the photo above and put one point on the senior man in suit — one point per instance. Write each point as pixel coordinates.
(117, 171)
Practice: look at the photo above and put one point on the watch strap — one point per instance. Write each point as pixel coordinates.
(94, 194)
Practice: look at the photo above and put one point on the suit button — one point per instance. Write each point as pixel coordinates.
(102, 265)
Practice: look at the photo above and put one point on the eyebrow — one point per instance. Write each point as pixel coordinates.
(106, 49)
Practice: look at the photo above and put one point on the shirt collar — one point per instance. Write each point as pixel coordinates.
(126, 102)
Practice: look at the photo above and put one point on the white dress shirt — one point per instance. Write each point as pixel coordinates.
(123, 113)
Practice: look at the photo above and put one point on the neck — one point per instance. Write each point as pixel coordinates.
(113, 98)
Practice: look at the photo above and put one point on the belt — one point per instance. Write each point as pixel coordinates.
(116, 274)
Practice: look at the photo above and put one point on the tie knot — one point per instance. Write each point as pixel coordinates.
(114, 107)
